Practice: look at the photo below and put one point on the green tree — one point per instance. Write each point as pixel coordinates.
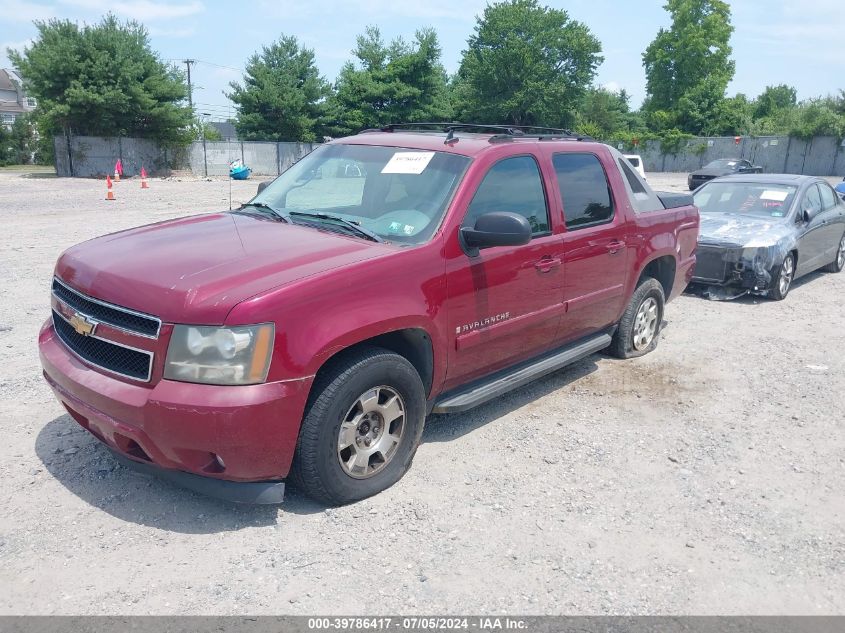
(102, 80)
(690, 61)
(525, 64)
(400, 82)
(775, 98)
(817, 117)
(282, 95)
(605, 114)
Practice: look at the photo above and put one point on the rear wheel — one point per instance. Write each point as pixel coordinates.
(361, 428)
(838, 262)
(639, 328)
(782, 279)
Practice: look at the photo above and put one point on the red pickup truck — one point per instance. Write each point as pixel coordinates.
(307, 335)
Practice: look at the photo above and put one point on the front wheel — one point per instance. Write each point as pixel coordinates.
(361, 428)
(838, 262)
(639, 328)
(782, 279)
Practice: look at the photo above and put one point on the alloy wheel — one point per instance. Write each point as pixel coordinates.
(645, 324)
(786, 273)
(371, 432)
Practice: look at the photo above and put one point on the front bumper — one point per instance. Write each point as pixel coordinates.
(694, 182)
(735, 266)
(221, 434)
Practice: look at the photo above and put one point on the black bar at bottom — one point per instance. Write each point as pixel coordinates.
(254, 492)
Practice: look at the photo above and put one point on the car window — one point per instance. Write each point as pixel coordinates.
(398, 193)
(584, 190)
(827, 196)
(745, 198)
(812, 199)
(513, 184)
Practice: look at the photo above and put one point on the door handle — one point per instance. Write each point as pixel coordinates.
(615, 246)
(546, 264)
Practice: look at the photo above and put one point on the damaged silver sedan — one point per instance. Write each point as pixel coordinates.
(761, 232)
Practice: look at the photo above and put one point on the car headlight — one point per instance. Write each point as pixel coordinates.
(238, 355)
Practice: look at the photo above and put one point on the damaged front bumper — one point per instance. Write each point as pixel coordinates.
(747, 269)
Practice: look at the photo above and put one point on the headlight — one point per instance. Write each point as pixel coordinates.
(220, 356)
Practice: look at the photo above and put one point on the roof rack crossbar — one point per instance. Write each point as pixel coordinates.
(500, 132)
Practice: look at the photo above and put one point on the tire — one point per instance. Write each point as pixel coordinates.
(359, 392)
(782, 278)
(838, 262)
(645, 310)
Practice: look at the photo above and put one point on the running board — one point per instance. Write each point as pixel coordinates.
(502, 382)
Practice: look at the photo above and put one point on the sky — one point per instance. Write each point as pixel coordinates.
(797, 42)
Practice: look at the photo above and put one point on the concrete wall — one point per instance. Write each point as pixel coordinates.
(93, 157)
(821, 156)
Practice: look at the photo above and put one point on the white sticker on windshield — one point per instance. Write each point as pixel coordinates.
(407, 163)
(774, 194)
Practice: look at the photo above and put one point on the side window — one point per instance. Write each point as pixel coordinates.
(828, 197)
(515, 185)
(812, 199)
(584, 190)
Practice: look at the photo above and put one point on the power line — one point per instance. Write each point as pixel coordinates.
(240, 70)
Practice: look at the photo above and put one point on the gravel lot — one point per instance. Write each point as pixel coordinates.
(705, 478)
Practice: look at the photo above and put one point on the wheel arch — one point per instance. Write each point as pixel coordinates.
(414, 344)
(662, 268)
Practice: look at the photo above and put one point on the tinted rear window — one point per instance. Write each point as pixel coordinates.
(584, 190)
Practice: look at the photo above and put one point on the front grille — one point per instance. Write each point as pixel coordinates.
(117, 316)
(710, 264)
(104, 354)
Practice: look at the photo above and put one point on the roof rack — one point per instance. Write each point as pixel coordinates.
(500, 132)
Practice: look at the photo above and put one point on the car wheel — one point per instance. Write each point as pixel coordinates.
(782, 279)
(639, 328)
(361, 428)
(838, 262)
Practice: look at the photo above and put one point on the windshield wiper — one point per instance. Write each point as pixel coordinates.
(354, 226)
(266, 209)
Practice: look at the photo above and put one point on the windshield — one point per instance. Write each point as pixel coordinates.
(759, 199)
(722, 163)
(398, 194)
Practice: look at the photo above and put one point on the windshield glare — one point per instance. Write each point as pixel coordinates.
(759, 199)
(399, 194)
(722, 163)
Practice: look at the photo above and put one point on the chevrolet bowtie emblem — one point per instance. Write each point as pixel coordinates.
(82, 324)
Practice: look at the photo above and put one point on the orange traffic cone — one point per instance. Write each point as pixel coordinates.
(144, 184)
(118, 169)
(109, 192)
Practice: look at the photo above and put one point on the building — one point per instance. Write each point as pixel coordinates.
(13, 101)
(226, 129)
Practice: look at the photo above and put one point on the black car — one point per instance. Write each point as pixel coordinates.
(760, 232)
(721, 167)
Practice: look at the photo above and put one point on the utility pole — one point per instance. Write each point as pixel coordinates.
(188, 63)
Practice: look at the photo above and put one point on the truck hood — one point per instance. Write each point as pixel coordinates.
(196, 269)
(728, 228)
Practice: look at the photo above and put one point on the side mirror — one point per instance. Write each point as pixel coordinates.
(809, 214)
(499, 228)
(263, 185)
